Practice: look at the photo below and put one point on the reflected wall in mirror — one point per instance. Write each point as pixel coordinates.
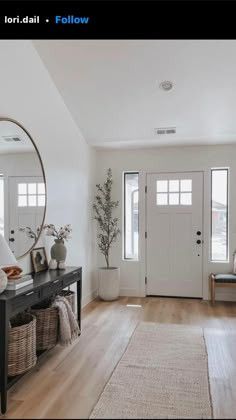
(22, 188)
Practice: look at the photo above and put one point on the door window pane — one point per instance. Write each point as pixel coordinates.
(162, 199)
(22, 200)
(219, 215)
(186, 185)
(162, 186)
(131, 213)
(186, 199)
(41, 200)
(41, 188)
(31, 188)
(22, 188)
(32, 200)
(174, 199)
(174, 185)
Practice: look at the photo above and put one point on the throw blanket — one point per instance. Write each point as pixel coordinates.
(68, 325)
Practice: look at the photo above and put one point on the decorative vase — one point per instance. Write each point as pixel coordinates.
(108, 283)
(3, 281)
(58, 251)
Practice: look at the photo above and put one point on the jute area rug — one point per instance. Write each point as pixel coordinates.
(163, 374)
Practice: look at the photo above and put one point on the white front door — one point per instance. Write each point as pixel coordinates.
(174, 234)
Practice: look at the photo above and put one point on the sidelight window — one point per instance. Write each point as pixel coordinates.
(131, 215)
(219, 215)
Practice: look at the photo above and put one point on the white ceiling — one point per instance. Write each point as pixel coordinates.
(111, 88)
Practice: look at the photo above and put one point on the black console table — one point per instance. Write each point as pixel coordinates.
(46, 284)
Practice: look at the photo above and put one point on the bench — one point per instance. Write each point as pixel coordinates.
(221, 280)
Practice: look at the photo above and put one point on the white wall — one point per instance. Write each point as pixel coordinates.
(29, 96)
(175, 159)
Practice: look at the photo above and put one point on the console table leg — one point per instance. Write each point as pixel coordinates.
(79, 293)
(4, 401)
(3, 355)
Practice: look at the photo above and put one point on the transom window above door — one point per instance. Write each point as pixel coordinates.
(174, 192)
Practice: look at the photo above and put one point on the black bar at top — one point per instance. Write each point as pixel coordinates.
(119, 19)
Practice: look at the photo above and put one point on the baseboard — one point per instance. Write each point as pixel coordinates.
(91, 296)
(220, 295)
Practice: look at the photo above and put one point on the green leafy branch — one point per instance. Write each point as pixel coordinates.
(104, 208)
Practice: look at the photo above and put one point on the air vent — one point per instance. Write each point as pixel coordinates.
(12, 139)
(169, 130)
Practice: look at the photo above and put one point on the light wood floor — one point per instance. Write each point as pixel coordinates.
(67, 382)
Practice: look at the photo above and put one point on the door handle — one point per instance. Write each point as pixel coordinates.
(199, 242)
(11, 239)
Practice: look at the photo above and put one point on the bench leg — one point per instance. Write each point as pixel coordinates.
(212, 289)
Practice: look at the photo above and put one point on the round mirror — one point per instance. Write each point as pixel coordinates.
(22, 188)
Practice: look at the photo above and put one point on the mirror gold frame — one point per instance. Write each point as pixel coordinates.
(43, 172)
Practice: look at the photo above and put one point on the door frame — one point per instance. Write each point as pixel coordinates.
(203, 224)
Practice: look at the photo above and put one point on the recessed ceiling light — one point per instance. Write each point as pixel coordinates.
(166, 85)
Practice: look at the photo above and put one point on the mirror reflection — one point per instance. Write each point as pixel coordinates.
(22, 188)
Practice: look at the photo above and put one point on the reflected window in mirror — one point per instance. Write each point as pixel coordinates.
(23, 192)
(31, 194)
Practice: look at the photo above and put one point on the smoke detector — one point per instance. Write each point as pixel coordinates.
(166, 85)
(165, 130)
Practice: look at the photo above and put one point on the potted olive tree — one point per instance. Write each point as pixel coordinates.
(108, 277)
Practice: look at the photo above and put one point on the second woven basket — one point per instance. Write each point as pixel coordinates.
(46, 326)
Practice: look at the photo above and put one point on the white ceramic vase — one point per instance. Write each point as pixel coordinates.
(61, 265)
(108, 283)
(53, 264)
(3, 280)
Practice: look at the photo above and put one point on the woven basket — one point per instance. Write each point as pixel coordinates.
(70, 296)
(47, 325)
(21, 344)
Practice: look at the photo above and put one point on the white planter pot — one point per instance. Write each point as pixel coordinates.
(108, 283)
